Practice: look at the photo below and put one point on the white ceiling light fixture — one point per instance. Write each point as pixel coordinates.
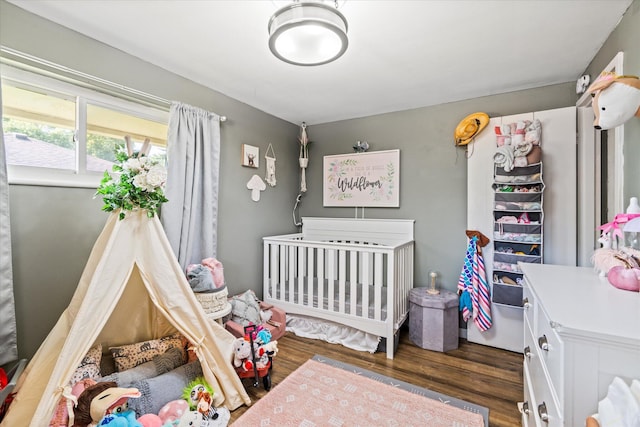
(308, 33)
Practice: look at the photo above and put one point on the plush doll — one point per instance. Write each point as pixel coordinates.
(102, 399)
(199, 395)
(616, 99)
(242, 354)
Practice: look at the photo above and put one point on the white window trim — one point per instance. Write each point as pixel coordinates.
(28, 175)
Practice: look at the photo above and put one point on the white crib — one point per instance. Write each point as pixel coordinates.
(356, 272)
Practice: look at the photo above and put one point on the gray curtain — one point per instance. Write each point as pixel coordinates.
(193, 154)
(8, 339)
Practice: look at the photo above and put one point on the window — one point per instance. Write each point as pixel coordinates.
(57, 133)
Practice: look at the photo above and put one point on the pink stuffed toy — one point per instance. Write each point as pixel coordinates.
(173, 411)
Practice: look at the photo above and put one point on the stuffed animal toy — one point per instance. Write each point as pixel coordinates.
(616, 99)
(199, 395)
(173, 411)
(263, 337)
(123, 419)
(242, 354)
(102, 399)
(271, 348)
(195, 419)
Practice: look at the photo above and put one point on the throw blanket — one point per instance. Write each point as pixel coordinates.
(475, 298)
(504, 157)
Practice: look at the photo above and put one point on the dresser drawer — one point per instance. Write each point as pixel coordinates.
(528, 404)
(551, 350)
(543, 404)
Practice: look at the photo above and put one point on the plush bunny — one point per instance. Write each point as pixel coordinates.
(616, 99)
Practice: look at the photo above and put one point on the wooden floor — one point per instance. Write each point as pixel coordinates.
(478, 374)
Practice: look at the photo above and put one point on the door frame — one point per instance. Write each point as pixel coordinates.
(589, 172)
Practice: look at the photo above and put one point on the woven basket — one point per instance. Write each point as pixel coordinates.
(213, 301)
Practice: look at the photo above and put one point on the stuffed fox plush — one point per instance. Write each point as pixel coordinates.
(616, 99)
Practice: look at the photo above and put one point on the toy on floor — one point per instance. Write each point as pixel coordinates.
(199, 395)
(105, 404)
(171, 413)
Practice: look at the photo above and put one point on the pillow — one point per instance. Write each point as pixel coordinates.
(89, 366)
(245, 309)
(166, 362)
(61, 415)
(156, 392)
(132, 355)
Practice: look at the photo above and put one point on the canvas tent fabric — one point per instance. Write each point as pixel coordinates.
(132, 289)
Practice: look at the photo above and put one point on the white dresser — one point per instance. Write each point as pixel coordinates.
(579, 333)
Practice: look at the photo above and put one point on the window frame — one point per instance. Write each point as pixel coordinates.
(81, 178)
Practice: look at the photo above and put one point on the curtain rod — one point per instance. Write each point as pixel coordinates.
(27, 61)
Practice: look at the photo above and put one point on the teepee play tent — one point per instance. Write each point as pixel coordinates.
(132, 289)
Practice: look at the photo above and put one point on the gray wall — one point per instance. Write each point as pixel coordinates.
(53, 229)
(433, 172)
(625, 39)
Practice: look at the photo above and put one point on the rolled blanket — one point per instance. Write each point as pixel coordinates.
(504, 157)
(159, 365)
(200, 278)
(157, 391)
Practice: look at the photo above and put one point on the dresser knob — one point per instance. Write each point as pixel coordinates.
(525, 303)
(527, 352)
(542, 411)
(524, 408)
(543, 343)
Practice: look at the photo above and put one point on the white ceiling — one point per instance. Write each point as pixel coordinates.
(401, 55)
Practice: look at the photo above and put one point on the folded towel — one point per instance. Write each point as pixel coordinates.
(504, 157)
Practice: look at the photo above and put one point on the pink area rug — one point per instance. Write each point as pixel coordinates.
(318, 394)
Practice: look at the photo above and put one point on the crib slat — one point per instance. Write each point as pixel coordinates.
(310, 276)
(366, 281)
(353, 281)
(301, 273)
(377, 286)
(292, 273)
(283, 271)
(331, 270)
(342, 278)
(320, 268)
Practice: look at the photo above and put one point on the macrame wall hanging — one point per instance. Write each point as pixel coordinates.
(304, 156)
(270, 165)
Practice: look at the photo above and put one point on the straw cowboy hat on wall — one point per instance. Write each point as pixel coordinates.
(469, 128)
